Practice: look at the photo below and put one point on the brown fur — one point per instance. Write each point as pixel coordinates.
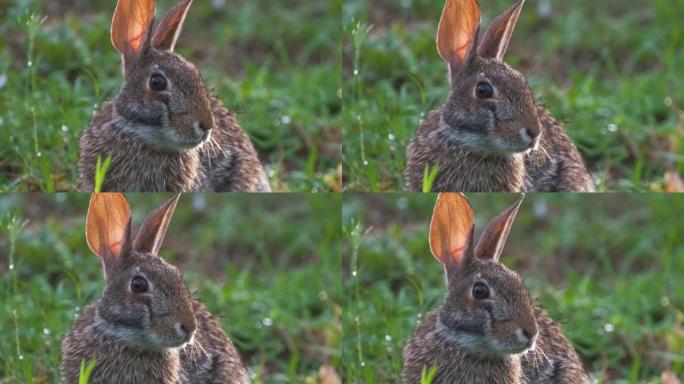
(157, 334)
(503, 142)
(178, 139)
(498, 337)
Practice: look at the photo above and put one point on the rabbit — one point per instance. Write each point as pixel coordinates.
(164, 131)
(146, 327)
(487, 329)
(490, 135)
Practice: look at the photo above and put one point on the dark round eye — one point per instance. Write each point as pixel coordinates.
(157, 82)
(139, 284)
(484, 90)
(480, 291)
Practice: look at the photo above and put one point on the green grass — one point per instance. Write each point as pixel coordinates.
(607, 267)
(274, 63)
(611, 71)
(267, 266)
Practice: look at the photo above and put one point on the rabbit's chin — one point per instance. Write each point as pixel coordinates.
(167, 139)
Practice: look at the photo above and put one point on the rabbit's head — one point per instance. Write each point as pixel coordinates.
(145, 303)
(164, 101)
(487, 309)
(490, 109)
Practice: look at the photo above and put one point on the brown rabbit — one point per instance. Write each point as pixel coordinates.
(487, 330)
(146, 327)
(164, 131)
(491, 135)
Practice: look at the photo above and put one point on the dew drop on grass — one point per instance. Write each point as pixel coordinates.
(664, 301)
(39, 154)
(612, 128)
(609, 328)
(365, 162)
(267, 321)
(668, 101)
(286, 120)
(391, 137)
(363, 363)
(354, 273)
(388, 338)
(11, 267)
(46, 332)
(65, 128)
(323, 295)
(21, 357)
(356, 72)
(30, 63)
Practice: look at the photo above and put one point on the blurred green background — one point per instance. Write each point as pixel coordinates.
(607, 267)
(275, 63)
(611, 70)
(267, 266)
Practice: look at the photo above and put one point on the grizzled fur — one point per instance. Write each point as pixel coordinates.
(177, 139)
(210, 358)
(505, 142)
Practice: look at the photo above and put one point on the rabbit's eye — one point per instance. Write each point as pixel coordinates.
(157, 82)
(139, 285)
(484, 90)
(480, 291)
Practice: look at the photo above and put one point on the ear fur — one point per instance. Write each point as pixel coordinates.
(493, 238)
(152, 231)
(169, 28)
(497, 36)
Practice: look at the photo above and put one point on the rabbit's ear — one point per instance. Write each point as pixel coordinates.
(169, 28)
(451, 231)
(151, 233)
(495, 40)
(493, 238)
(108, 226)
(457, 31)
(131, 26)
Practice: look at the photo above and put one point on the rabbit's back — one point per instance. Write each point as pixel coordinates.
(556, 166)
(229, 159)
(212, 357)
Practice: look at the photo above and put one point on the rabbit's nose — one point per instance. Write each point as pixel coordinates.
(185, 330)
(529, 135)
(526, 336)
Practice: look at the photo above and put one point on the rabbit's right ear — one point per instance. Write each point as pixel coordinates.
(108, 226)
(131, 27)
(458, 31)
(451, 231)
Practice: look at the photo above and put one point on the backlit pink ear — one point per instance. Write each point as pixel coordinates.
(451, 230)
(108, 226)
(457, 31)
(131, 27)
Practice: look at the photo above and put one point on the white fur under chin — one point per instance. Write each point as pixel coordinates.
(490, 144)
(165, 139)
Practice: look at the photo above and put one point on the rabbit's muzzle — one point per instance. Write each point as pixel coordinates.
(174, 331)
(513, 337)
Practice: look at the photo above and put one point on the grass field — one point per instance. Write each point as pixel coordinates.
(610, 70)
(609, 270)
(274, 63)
(268, 266)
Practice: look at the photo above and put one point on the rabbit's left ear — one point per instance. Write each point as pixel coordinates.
(169, 28)
(495, 41)
(152, 231)
(493, 238)
(131, 27)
